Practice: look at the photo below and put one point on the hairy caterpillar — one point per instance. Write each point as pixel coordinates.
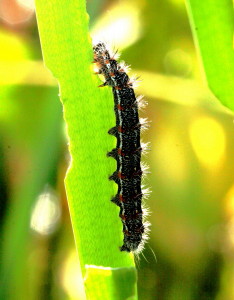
(128, 151)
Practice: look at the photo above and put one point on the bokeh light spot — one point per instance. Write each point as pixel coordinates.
(229, 201)
(28, 4)
(178, 62)
(15, 12)
(119, 26)
(13, 48)
(171, 158)
(72, 278)
(208, 141)
(46, 213)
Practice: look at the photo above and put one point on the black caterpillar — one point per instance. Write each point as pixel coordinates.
(128, 150)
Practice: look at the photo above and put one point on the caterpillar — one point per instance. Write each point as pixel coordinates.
(128, 151)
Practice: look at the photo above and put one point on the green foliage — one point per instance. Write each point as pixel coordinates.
(191, 156)
(88, 113)
(212, 24)
(43, 135)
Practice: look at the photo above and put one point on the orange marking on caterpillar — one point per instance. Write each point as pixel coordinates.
(120, 129)
(120, 107)
(121, 176)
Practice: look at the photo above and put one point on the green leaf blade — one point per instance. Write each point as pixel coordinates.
(212, 25)
(88, 113)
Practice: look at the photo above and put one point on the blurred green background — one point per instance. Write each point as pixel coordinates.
(192, 175)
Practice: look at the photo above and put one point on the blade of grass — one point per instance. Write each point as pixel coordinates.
(41, 145)
(212, 25)
(88, 113)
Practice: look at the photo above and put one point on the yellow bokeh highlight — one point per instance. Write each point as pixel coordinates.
(171, 157)
(208, 141)
(120, 25)
(229, 214)
(13, 48)
(16, 66)
(72, 280)
(229, 202)
(27, 4)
